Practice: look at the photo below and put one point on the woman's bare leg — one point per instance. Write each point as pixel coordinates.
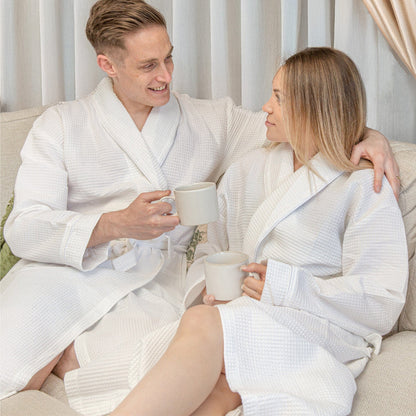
(221, 400)
(62, 363)
(186, 374)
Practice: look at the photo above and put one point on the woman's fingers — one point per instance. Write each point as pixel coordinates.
(253, 287)
(258, 268)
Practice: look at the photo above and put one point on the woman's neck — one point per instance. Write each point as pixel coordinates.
(296, 163)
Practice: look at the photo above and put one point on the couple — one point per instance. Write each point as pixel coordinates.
(79, 304)
(330, 254)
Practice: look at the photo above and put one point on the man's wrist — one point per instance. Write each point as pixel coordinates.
(106, 229)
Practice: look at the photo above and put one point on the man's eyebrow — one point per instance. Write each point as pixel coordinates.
(147, 61)
(276, 91)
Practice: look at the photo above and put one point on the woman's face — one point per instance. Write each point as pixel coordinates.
(276, 131)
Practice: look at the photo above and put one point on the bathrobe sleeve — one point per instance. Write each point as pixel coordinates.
(245, 131)
(40, 227)
(369, 294)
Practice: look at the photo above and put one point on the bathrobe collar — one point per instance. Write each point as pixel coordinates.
(285, 192)
(161, 124)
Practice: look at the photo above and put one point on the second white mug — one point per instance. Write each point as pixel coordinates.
(223, 274)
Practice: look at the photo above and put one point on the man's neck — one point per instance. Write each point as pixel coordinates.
(138, 113)
(139, 117)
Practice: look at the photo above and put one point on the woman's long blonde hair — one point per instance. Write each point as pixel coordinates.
(324, 102)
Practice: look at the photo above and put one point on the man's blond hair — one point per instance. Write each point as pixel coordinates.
(110, 21)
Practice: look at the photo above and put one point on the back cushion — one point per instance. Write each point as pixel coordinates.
(14, 127)
(405, 154)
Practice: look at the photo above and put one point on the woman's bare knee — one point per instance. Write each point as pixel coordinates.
(200, 318)
(201, 328)
(201, 322)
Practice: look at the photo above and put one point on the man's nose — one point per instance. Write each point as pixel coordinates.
(164, 74)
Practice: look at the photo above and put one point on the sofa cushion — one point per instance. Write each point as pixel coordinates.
(34, 403)
(405, 154)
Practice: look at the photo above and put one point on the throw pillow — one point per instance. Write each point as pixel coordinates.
(7, 258)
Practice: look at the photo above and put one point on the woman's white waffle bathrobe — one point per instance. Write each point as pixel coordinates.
(84, 158)
(336, 280)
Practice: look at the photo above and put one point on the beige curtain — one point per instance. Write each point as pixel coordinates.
(397, 21)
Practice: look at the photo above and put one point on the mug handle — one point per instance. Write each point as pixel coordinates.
(170, 200)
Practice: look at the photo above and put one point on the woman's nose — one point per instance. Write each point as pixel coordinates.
(267, 107)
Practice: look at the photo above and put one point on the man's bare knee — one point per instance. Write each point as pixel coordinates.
(39, 378)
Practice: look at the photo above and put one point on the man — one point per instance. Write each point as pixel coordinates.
(103, 263)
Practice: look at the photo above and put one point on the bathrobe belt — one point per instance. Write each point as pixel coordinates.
(128, 254)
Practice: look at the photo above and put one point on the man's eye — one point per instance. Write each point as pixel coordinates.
(169, 58)
(149, 67)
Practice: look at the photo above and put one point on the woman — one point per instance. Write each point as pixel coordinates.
(330, 255)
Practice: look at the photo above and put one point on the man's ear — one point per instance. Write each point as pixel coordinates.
(107, 65)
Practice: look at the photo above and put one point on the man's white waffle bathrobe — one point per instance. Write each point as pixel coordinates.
(336, 280)
(84, 158)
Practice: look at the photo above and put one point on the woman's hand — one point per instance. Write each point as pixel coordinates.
(376, 147)
(254, 287)
(210, 299)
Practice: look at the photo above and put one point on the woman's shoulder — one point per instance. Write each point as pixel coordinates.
(361, 183)
(362, 176)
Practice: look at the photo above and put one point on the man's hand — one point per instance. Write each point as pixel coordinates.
(141, 220)
(376, 147)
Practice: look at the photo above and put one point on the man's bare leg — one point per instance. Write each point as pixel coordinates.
(186, 374)
(61, 364)
(68, 362)
(39, 378)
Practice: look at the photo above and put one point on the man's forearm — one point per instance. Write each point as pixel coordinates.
(106, 229)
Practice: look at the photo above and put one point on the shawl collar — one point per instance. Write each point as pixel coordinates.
(162, 123)
(285, 191)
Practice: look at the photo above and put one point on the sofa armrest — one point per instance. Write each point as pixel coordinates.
(387, 386)
(14, 127)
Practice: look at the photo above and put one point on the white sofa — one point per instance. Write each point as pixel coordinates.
(387, 387)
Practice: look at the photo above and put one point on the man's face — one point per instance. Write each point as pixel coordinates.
(144, 71)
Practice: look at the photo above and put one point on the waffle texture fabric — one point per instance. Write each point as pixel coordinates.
(84, 158)
(336, 280)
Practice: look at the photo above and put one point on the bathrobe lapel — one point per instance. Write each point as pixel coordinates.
(285, 192)
(161, 123)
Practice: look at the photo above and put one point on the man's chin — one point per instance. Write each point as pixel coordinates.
(162, 100)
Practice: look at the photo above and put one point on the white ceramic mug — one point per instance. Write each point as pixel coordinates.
(194, 204)
(223, 274)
